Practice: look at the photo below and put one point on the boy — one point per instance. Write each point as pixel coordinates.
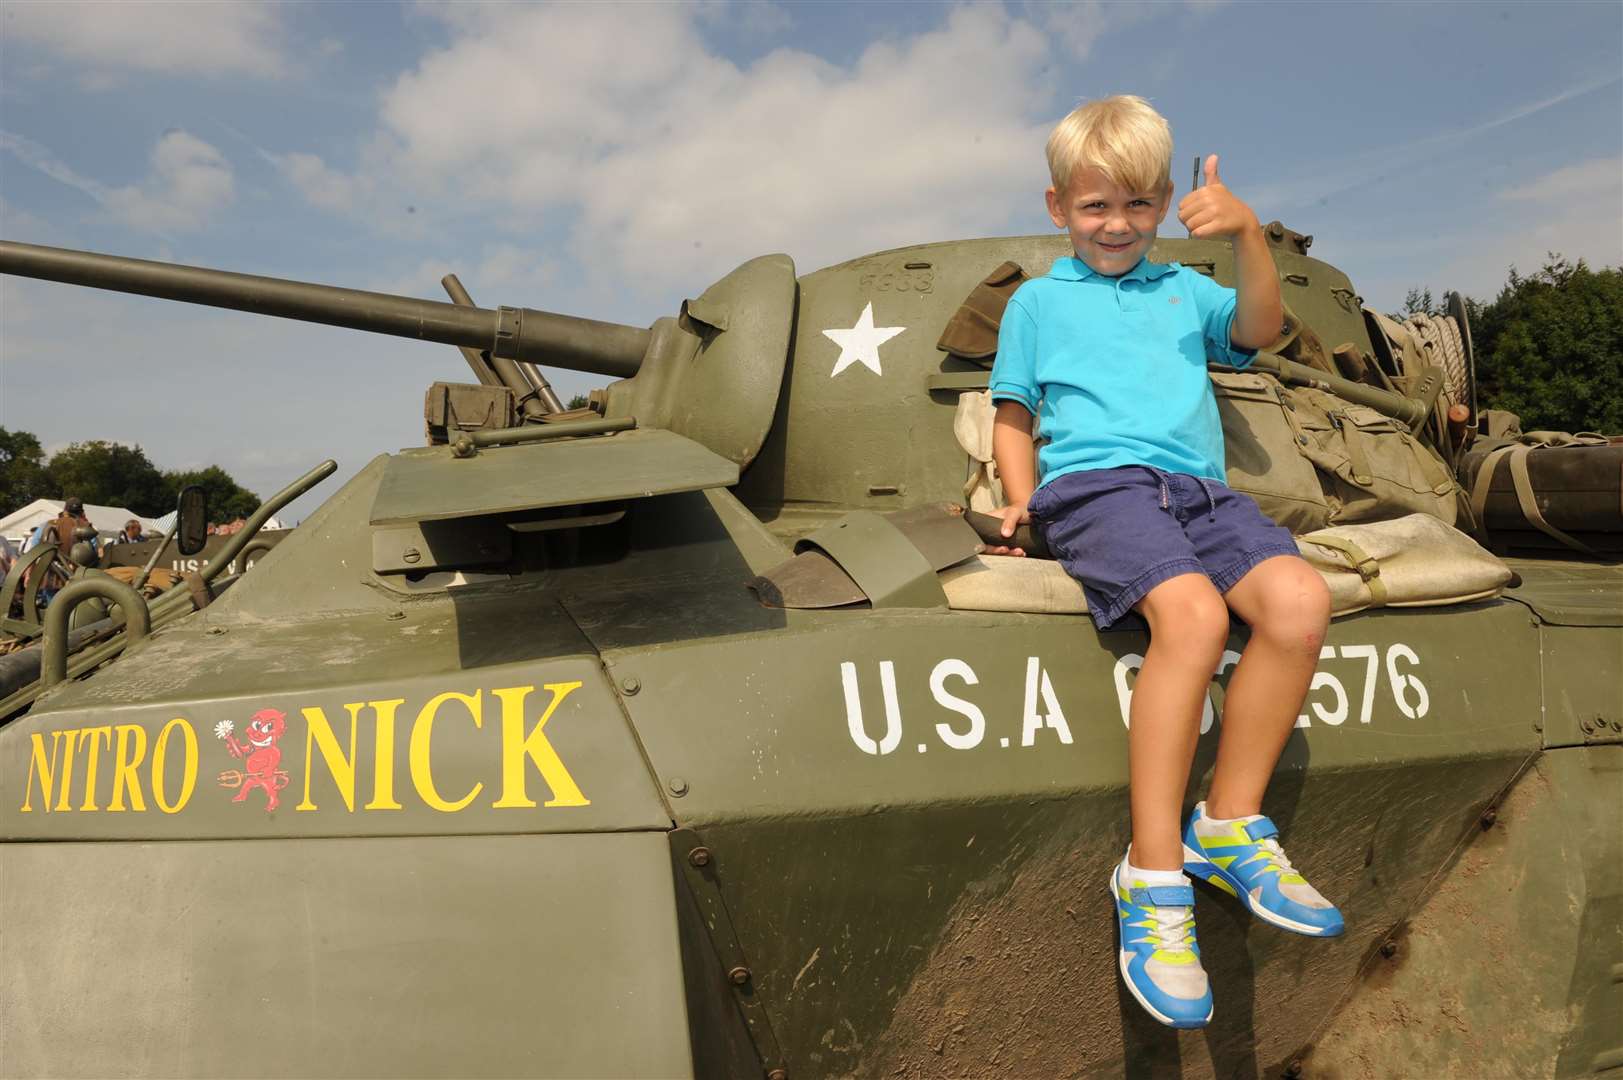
(1110, 351)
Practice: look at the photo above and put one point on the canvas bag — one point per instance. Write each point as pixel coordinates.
(972, 424)
(1414, 561)
(1514, 455)
(1311, 459)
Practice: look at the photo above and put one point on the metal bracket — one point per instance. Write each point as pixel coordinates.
(700, 871)
(946, 381)
(40, 560)
(1425, 392)
(202, 595)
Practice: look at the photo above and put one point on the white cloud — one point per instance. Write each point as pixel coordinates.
(321, 185)
(1586, 180)
(188, 181)
(1077, 25)
(677, 163)
(752, 18)
(245, 37)
(500, 273)
(763, 19)
(1388, 164)
(1576, 211)
(40, 157)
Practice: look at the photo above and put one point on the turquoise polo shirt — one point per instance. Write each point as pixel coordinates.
(1114, 368)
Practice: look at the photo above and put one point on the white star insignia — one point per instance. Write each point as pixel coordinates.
(860, 344)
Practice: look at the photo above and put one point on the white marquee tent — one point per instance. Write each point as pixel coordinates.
(108, 520)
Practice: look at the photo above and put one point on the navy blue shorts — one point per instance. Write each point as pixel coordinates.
(1121, 532)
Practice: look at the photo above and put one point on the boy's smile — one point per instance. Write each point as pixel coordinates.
(1111, 227)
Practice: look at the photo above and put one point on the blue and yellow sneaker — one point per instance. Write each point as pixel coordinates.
(1159, 960)
(1242, 858)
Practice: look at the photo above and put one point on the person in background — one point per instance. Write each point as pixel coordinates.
(131, 533)
(72, 517)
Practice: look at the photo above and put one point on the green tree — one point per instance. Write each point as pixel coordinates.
(1418, 302)
(579, 401)
(22, 471)
(227, 500)
(111, 474)
(1550, 347)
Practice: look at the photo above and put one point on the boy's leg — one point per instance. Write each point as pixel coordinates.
(1188, 627)
(1287, 606)
(1228, 841)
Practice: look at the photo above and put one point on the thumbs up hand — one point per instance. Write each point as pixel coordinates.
(1213, 212)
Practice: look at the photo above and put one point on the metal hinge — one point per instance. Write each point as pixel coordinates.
(701, 873)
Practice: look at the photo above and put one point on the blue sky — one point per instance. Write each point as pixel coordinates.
(612, 159)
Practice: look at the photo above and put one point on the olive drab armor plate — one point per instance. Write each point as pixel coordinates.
(517, 758)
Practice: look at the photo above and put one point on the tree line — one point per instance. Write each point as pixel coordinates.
(1549, 347)
(110, 474)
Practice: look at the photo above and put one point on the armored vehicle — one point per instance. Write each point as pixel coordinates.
(680, 737)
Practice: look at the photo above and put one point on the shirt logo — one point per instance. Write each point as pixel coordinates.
(1174, 299)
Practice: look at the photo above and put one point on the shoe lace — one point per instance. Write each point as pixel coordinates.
(1174, 928)
(1276, 856)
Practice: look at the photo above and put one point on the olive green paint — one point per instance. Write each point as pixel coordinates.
(476, 956)
(909, 811)
(1510, 967)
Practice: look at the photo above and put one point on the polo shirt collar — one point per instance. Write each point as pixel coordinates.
(1072, 268)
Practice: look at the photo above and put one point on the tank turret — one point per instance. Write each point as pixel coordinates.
(712, 373)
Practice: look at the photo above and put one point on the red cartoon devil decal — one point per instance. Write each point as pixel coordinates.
(261, 769)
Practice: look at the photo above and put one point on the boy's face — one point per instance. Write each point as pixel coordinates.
(1111, 228)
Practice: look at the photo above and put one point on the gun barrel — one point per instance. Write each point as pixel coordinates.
(1404, 409)
(537, 337)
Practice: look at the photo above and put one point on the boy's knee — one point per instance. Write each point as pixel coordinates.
(1296, 613)
(1193, 621)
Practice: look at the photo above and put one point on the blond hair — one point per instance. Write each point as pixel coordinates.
(1122, 136)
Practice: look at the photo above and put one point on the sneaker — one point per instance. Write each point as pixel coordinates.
(1159, 960)
(1243, 859)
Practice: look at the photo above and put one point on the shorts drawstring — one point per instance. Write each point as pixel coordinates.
(1211, 502)
(1166, 492)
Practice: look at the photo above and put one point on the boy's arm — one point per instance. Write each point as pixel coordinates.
(1214, 211)
(1016, 457)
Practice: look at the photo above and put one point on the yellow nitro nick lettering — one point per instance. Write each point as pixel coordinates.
(188, 769)
(515, 745)
(89, 737)
(383, 756)
(43, 766)
(422, 734)
(132, 750)
(319, 734)
(69, 739)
